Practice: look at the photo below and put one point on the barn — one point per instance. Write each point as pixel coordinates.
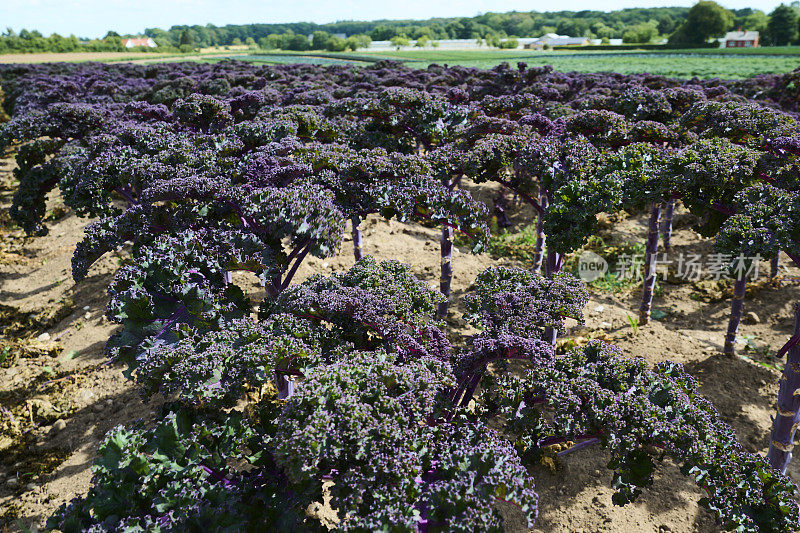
(142, 41)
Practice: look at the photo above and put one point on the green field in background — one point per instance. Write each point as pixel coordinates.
(703, 63)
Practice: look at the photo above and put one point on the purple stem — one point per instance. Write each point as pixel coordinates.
(552, 267)
(650, 262)
(274, 286)
(580, 445)
(549, 441)
(791, 343)
(297, 249)
(538, 252)
(553, 263)
(786, 420)
(522, 195)
(122, 191)
(455, 398)
(737, 304)
(447, 270)
(471, 386)
(357, 240)
(724, 209)
(666, 227)
(774, 266)
(179, 313)
(500, 205)
(288, 279)
(446, 246)
(286, 387)
(216, 475)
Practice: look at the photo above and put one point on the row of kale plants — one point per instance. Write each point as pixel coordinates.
(352, 378)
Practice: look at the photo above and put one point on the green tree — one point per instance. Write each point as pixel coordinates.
(319, 40)
(757, 20)
(782, 25)
(509, 44)
(295, 41)
(399, 41)
(422, 41)
(427, 31)
(640, 33)
(382, 33)
(336, 44)
(187, 38)
(573, 27)
(602, 31)
(161, 37)
(273, 41)
(354, 42)
(666, 25)
(705, 19)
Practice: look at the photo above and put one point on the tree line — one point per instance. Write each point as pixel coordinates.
(680, 25)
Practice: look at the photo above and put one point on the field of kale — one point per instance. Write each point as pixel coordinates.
(702, 63)
(310, 297)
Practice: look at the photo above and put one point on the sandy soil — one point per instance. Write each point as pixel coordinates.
(66, 56)
(128, 57)
(59, 396)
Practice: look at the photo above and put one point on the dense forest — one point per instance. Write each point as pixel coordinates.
(636, 25)
(520, 24)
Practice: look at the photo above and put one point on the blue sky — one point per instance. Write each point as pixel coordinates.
(92, 18)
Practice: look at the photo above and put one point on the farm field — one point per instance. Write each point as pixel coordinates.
(688, 64)
(96, 397)
(701, 63)
(330, 296)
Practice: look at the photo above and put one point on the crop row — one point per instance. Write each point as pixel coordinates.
(351, 382)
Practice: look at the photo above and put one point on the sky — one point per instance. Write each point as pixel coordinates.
(93, 18)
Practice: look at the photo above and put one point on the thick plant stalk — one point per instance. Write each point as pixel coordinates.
(737, 305)
(357, 239)
(552, 263)
(666, 226)
(447, 270)
(774, 266)
(500, 205)
(552, 266)
(446, 246)
(538, 252)
(786, 420)
(650, 263)
(551, 335)
(286, 385)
